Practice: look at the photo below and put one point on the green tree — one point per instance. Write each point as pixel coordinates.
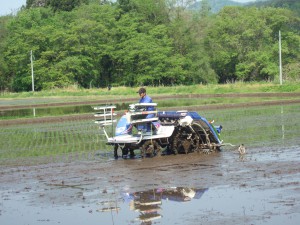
(144, 42)
(4, 69)
(65, 5)
(205, 9)
(145, 53)
(243, 42)
(188, 31)
(37, 3)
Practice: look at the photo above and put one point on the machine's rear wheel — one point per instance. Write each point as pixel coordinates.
(185, 141)
(150, 148)
(204, 145)
(116, 151)
(124, 151)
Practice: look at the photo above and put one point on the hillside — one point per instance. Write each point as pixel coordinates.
(293, 5)
(216, 5)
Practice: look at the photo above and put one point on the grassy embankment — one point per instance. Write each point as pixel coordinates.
(73, 94)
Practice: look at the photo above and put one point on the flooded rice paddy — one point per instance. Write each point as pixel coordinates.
(82, 184)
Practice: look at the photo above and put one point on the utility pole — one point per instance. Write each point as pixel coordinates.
(32, 78)
(280, 63)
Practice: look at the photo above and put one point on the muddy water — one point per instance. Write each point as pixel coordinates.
(261, 187)
(193, 189)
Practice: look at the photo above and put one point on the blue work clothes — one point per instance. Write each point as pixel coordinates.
(147, 99)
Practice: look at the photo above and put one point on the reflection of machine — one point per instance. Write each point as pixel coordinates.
(177, 131)
(148, 203)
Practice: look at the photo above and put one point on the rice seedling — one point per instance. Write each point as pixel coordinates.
(275, 125)
(267, 125)
(49, 139)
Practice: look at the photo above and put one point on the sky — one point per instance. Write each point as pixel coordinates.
(11, 6)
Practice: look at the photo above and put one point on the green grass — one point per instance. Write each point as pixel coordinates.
(119, 92)
(181, 102)
(70, 95)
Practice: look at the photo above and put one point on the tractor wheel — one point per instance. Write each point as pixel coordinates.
(125, 151)
(204, 144)
(116, 151)
(150, 148)
(185, 141)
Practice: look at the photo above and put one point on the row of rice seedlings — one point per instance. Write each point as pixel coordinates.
(82, 138)
(51, 139)
(270, 125)
(74, 138)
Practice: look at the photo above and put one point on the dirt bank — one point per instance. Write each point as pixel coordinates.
(160, 97)
(191, 108)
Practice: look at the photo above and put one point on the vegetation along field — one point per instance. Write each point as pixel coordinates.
(92, 43)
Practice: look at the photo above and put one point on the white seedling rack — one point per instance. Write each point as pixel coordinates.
(105, 116)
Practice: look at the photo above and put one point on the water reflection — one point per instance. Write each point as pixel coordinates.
(178, 205)
(282, 122)
(52, 111)
(149, 203)
(75, 109)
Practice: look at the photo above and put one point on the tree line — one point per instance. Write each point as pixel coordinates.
(144, 42)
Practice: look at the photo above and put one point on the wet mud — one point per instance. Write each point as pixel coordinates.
(260, 187)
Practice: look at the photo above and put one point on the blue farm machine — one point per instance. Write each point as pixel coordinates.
(157, 132)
